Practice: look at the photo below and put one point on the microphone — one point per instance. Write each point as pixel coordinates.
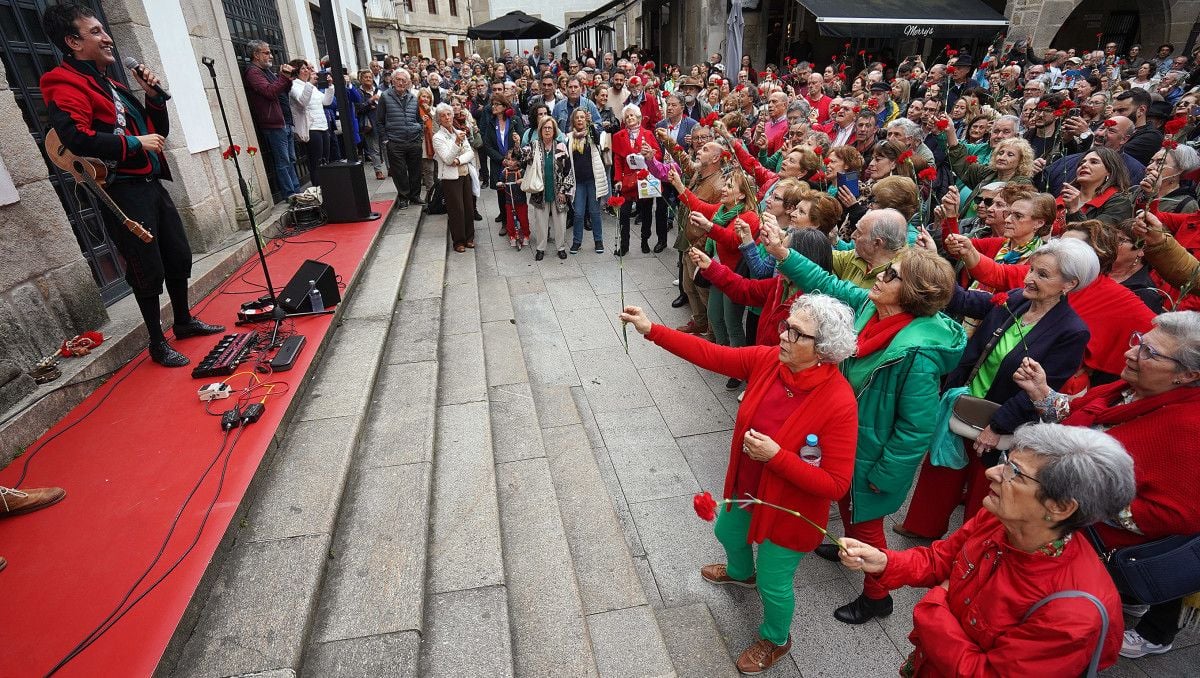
(136, 66)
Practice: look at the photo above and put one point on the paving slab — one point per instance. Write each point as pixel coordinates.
(647, 460)
(465, 537)
(460, 309)
(708, 456)
(376, 578)
(572, 293)
(396, 655)
(588, 329)
(341, 385)
(660, 299)
(553, 404)
(534, 313)
(302, 491)
(515, 432)
(416, 328)
(460, 268)
(468, 635)
(461, 378)
(432, 245)
(502, 353)
(685, 400)
(255, 617)
(827, 646)
(695, 644)
(547, 360)
(619, 501)
(587, 417)
(603, 564)
(423, 279)
(643, 353)
(400, 424)
(494, 300)
(628, 643)
(610, 381)
(549, 633)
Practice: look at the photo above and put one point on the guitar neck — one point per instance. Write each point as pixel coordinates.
(103, 195)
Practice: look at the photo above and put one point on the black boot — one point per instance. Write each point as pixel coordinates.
(863, 610)
(195, 328)
(645, 247)
(828, 552)
(162, 353)
(680, 301)
(660, 245)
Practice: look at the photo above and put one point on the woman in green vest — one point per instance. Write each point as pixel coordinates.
(905, 347)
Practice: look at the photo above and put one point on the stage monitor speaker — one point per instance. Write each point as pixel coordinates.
(294, 297)
(344, 192)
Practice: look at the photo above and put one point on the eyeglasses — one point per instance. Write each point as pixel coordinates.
(889, 274)
(793, 335)
(1147, 351)
(1009, 470)
(987, 202)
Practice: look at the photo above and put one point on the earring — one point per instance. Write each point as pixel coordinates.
(1177, 382)
(1048, 518)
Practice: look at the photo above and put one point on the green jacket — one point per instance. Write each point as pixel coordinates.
(897, 401)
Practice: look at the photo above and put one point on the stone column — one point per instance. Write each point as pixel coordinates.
(47, 292)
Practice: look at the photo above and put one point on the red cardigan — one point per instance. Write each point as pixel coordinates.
(623, 147)
(725, 237)
(974, 627)
(1162, 434)
(1107, 307)
(767, 293)
(787, 481)
(1186, 228)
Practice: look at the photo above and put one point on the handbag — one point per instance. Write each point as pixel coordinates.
(970, 415)
(1155, 572)
(1093, 664)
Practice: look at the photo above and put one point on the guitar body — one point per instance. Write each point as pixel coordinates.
(91, 173)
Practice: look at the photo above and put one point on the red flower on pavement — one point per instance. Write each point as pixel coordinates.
(999, 299)
(872, 103)
(1174, 125)
(615, 201)
(927, 174)
(942, 124)
(972, 159)
(706, 506)
(709, 119)
(1110, 123)
(1170, 144)
(905, 156)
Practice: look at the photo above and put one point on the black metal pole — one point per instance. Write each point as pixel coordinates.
(337, 74)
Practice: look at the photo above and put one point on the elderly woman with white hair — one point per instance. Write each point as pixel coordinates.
(1016, 591)
(454, 155)
(796, 398)
(1033, 321)
(628, 144)
(1161, 182)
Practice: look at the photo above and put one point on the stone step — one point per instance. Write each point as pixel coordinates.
(467, 617)
(260, 610)
(576, 602)
(695, 642)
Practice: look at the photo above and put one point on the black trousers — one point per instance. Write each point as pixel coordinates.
(645, 208)
(318, 153)
(168, 256)
(404, 163)
(1161, 622)
(662, 219)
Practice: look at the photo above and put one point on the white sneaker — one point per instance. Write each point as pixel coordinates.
(675, 282)
(1134, 610)
(1133, 645)
(741, 395)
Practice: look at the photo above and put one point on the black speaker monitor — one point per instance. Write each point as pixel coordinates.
(344, 192)
(294, 297)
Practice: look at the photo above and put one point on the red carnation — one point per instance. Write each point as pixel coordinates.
(1170, 144)
(950, 70)
(847, 45)
(252, 150)
(999, 299)
(819, 151)
(841, 76)
(1110, 123)
(862, 52)
(817, 176)
(905, 156)
(1058, 113)
(227, 153)
(927, 174)
(615, 201)
(972, 159)
(764, 74)
(1174, 125)
(709, 120)
(525, 52)
(1099, 36)
(842, 68)
(942, 124)
(1043, 105)
(1068, 104)
(857, 109)
(641, 174)
(872, 103)
(740, 87)
(952, 52)
(508, 113)
(705, 505)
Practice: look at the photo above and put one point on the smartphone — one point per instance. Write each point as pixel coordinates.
(850, 181)
(323, 80)
(1074, 113)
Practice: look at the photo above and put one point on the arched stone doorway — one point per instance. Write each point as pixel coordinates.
(1125, 22)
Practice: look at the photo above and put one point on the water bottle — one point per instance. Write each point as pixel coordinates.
(318, 304)
(810, 452)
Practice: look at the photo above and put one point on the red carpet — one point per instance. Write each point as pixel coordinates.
(142, 445)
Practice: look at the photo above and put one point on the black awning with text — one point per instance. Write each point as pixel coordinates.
(906, 18)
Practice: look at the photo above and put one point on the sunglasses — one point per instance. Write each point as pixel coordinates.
(987, 202)
(889, 274)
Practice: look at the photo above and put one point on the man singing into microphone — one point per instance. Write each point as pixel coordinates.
(98, 117)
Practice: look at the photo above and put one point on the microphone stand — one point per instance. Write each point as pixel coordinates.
(278, 314)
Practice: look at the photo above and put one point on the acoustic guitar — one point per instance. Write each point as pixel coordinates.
(91, 173)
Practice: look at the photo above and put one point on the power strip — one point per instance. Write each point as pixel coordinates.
(288, 351)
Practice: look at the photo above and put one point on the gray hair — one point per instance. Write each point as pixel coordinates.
(1183, 327)
(890, 227)
(1083, 464)
(836, 338)
(1186, 158)
(255, 45)
(1076, 259)
(1016, 121)
(442, 108)
(907, 127)
(799, 104)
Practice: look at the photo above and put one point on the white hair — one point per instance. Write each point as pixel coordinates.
(442, 108)
(1076, 259)
(836, 338)
(630, 108)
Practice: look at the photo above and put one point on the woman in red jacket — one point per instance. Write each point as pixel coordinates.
(986, 579)
(628, 143)
(718, 219)
(1154, 411)
(794, 393)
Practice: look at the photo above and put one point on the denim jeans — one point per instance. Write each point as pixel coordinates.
(284, 152)
(586, 204)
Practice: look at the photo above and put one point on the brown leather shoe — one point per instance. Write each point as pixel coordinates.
(15, 502)
(717, 574)
(692, 328)
(470, 244)
(379, 175)
(762, 655)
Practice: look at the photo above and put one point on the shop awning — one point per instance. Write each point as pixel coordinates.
(604, 14)
(906, 18)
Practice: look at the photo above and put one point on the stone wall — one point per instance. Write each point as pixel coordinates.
(47, 292)
(1161, 20)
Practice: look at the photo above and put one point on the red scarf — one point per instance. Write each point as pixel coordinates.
(878, 333)
(1102, 405)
